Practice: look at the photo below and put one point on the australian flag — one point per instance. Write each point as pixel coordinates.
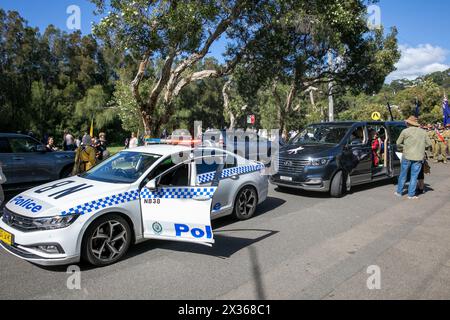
(446, 111)
(417, 111)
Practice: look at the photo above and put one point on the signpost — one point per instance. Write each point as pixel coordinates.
(376, 116)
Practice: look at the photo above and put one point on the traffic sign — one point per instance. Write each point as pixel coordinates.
(376, 116)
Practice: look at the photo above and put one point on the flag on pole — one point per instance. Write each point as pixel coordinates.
(417, 111)
(446, 112)
(91, 132)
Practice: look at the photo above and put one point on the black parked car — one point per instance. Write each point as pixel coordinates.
(26, 162)
(333, 157)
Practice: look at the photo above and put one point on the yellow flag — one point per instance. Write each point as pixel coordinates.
(91, 133)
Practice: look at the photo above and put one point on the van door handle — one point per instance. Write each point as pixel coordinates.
(18, 158)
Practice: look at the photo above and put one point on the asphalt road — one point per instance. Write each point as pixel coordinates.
(299, 246)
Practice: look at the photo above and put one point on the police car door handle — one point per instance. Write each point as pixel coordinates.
(18, 158)
(234, 177)
(201, 198)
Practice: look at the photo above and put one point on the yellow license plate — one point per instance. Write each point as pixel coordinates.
(6, 237)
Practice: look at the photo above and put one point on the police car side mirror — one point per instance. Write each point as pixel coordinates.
(151, 185)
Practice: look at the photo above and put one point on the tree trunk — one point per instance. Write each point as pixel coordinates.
(288, 106)
(226, 104)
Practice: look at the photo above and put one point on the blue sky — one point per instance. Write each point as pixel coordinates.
(424, 28)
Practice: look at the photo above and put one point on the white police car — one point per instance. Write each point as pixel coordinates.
(154, 192)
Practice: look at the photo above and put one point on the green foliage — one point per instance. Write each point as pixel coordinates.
(126, 107)
(55, 81)
(52, 81)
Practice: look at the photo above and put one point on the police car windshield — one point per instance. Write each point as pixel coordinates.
(124, 167)
(321, 134)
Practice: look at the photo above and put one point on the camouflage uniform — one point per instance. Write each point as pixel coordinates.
(430, 133)
(447, 139)
(440, 147)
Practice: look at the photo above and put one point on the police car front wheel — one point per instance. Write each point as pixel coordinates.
(106, 240)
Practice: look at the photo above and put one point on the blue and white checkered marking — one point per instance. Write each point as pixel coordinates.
(208, 177)
(102, 203)
(177, 193)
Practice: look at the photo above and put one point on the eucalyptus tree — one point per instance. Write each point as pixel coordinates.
(302, 35)
(173, 37)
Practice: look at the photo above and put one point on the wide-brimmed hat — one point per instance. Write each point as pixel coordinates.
(413, 121)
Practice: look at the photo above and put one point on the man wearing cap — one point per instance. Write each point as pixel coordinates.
(412, 141)
(440, 152)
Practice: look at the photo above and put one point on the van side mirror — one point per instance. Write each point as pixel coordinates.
(41, 148)
(151, 185)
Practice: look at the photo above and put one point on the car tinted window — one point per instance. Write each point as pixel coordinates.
(230, 162)
(4, 146)
(321, 134)
(23, 145)
(204, 167)
(178, 177)
(165, 165)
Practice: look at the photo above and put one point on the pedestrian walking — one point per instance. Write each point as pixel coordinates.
(84, 156)
(68, 141)
(133, 141)
(412, 142)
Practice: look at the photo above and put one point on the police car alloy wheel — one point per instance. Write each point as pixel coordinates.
(246, 202)
(107, 240)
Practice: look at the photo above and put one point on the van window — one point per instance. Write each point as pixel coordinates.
(358, 136)
(395, 131)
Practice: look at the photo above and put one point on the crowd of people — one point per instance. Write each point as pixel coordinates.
(88, 151)
(440, 137)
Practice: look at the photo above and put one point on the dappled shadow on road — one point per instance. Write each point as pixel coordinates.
(270, 204)
(227, 243)
(373, 185)
(326, 195)
(224, 247)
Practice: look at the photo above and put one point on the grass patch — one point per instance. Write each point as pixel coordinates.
(114, 150)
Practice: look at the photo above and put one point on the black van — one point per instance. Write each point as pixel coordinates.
(333, 157)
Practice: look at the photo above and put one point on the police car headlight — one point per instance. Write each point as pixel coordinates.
(53, 223)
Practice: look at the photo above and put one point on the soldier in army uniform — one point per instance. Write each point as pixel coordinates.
(446, 136)
(440, 144)
(430, 132)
